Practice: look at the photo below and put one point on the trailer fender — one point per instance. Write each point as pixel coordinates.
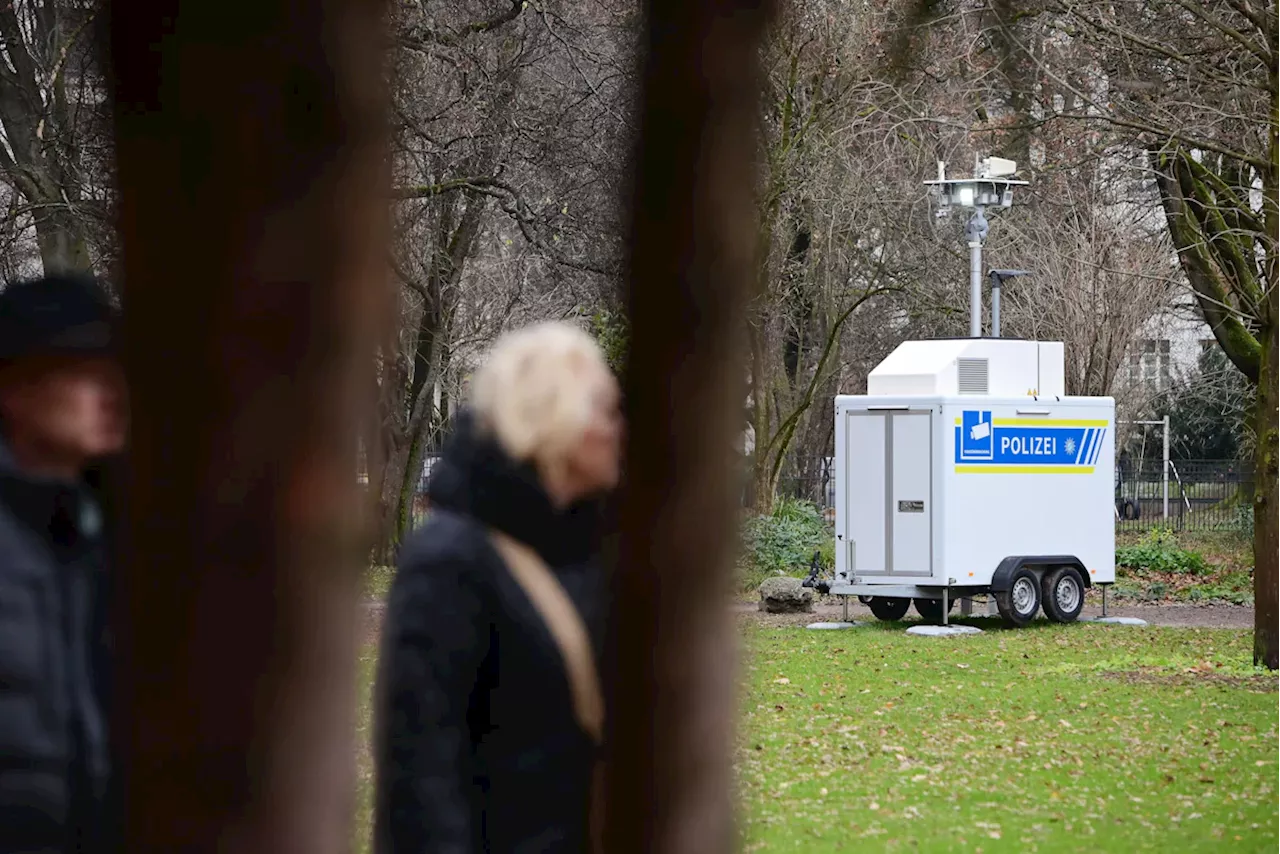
(1003, 575)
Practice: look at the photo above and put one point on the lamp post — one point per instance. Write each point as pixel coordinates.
(997, 279)
(990, 187)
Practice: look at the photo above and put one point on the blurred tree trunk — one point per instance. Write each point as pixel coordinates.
(252, 176)
(693, 233)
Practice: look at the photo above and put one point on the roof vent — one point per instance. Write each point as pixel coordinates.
(973, 375)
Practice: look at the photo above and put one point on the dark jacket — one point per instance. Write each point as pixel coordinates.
(53, 747)
(477, 746)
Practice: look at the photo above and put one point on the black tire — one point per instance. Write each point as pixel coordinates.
(889, 608)
(1131, 510)
(930, 610)
(1018, 604)
(1062, 594)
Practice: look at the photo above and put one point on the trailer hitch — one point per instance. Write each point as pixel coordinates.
(823, 586)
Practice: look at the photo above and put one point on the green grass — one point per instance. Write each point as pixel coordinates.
(1048, 739)
(1221, 574)
(363, 824)
(377, 581)
(1051, 738)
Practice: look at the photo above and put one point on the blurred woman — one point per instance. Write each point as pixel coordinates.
(490, 713)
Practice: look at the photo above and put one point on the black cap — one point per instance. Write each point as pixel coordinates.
(63, 313)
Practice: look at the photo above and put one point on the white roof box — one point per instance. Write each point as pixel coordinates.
(996, 367)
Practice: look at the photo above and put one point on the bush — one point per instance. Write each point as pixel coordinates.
(1234, 587)
(1159, 552)
(785, 540)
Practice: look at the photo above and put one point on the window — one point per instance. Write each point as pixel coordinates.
(1150, 364)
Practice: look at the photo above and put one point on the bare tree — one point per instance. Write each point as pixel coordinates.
(834, 179)
(1100, 274)
(508, 120)
(52, 129)
(1193, 86)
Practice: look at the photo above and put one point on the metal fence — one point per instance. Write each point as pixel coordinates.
(818, 488)
(1203, 495)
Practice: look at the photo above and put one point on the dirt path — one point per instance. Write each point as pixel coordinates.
(1187, 616)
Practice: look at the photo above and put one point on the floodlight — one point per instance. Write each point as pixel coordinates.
(990, 187)
(998, 167)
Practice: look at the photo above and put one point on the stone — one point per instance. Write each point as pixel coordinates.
(785, 596)
(822, 626)
(944, 631)
(1116, 621)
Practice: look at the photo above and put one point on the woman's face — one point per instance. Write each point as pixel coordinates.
(595, 462)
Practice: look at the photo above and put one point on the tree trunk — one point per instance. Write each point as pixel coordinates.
(761, 489)
(1266, 501)
(253, 180)
(413, 401)
(1266, 504)
(63, 248)
(672, 707)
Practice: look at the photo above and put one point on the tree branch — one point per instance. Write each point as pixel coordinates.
(1218, 236)
(16, 50)
(1258, 20)
(428, 191)
(1173, 135)
(407, 280)
(509, 200)
(473, 28)
(782, 438)
(1239, 344)
(1260, 51)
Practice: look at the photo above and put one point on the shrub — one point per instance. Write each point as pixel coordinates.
(783, 542)
(1159, 551)
(1234, 587)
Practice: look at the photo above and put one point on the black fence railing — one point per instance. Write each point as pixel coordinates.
(1204, 495)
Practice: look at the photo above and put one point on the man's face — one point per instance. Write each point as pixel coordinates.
(71, 406)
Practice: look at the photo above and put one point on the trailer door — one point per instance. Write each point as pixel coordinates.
(889, 492)
(863, 482)
(909, 493)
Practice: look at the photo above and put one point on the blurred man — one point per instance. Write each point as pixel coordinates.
(62, 406)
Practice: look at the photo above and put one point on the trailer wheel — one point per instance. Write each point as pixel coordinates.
(889, 608)
(931, 609)
(1062, 592)
(1130, 510)
(1018, 604)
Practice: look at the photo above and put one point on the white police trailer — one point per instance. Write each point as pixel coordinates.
(965, 470)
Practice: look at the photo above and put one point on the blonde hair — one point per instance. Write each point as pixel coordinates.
(534, 392)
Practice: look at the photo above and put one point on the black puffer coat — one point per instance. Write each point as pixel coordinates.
(53, 744)
(477, 746)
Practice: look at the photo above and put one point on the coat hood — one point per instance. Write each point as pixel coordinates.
(476, 478)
